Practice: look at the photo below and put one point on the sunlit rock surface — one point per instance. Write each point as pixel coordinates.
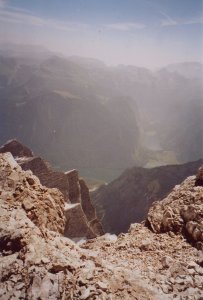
(73, 188)
(128, 198)
(181, 212)
(37, 262)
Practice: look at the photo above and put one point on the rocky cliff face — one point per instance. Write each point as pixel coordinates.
(43, 206)
(52, 109)
(128, 198)
(16, 148)
(182, 211)
(81, 219)
(37, 262)
(48, 100)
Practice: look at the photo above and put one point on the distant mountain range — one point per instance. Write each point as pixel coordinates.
(80, 113)
(187, 69)
(128, 198)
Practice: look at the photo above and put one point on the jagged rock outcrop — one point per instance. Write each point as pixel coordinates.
(88, 208)
(82, 219)
(199, 177)
(127, 199)
(74, 186)
(181, 211)
(46, 175)
(75, 218)
(37, 262)
(16, 148)
(43, 206)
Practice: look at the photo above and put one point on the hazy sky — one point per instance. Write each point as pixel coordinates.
(147, 33)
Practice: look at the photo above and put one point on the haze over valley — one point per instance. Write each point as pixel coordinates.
(101, 149)
(80, 113)
(103, 86)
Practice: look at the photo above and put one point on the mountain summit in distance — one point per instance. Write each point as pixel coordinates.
(187, 69)
(109, 96)
(100, 119)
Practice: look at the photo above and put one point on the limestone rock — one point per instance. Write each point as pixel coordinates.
(16, 149)
(128, 198)
(74, 186)
(199, 177)
(89, 209)
(44, 207)
(181, 211)
(86, 202)
(74, 190)
(37, 262)
(46, 175)
(76, 223)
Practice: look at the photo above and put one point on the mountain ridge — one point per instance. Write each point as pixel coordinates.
(144, 264)
(103, 118)
(80, 216)
(128, 198)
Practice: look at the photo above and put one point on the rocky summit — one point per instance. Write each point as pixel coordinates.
(159, 259)
(181, 212)
(128, 198)
(80, 216)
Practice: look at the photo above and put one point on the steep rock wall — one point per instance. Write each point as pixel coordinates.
(74, 190)
(37, 262)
